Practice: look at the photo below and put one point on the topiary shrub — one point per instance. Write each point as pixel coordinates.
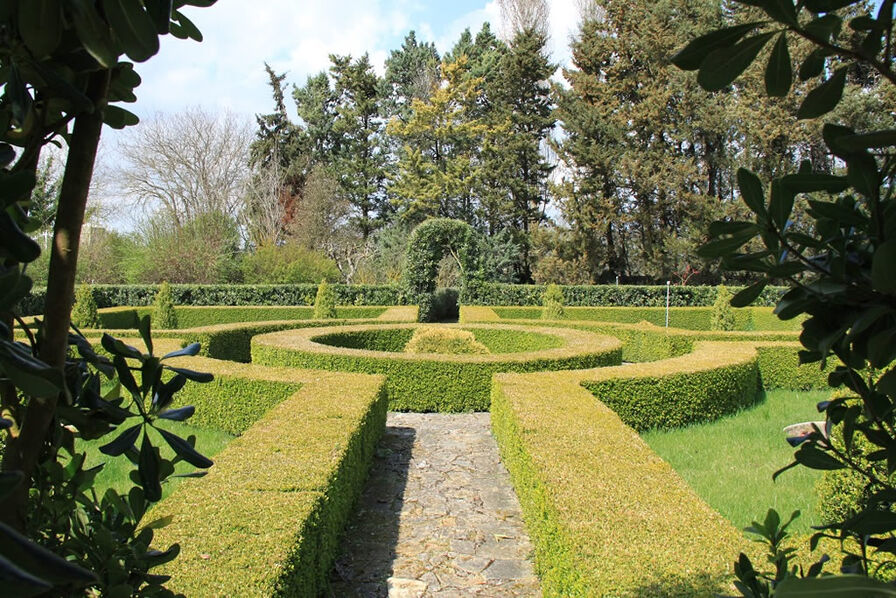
(164, 315)
(452, 341)
(84, 312)
(324, 302)
(722, 313)
(552, 302)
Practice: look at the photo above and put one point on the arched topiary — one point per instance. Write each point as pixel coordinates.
(429, 242)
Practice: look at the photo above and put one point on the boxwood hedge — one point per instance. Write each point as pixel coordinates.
(425, 383)
(195, 316)
(267, 518)
(607, 516)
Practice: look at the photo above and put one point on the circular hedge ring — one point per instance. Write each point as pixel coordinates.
(426, 382)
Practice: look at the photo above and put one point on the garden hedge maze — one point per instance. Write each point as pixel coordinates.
(308, 400)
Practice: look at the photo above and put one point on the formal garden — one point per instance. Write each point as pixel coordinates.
(181, 438)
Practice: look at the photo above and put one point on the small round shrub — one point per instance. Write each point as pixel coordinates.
(164, 315)
(722, 313)
(324, 302)
(552, 302)
(451, 341)
(84, 312)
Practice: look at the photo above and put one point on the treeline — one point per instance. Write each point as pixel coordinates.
(612, 171)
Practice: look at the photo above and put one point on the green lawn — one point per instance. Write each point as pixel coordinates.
(730, 462)
(209, 442)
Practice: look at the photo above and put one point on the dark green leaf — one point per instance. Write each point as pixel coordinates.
(133, 27)
(125, 441)
(811, 182)
(160, 12)
(17, 244)
(9, 481)
(180, 414)
(116, 347)
(39, 561)
(882, 348)
(191, 375)
(779, 72)
(7, 155)
(887, 384)
(119, 118)
(40, 24)
(825, 97)
(751, 190)
(813, 65)
(692, 55)
(188, 351)
(882, 268)
(148, 465)
(721, 67)
(858, 143)
(34, 377)
(185, 451)
(780, 204)
(165, 394)
(862, 174)
(817, 6)
(837, 212)
(824, 27)
(187, 27)
(144, 326)
(94, 32)
(814, 458)
(749, 294)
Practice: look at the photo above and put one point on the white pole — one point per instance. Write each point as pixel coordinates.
(617, 280)
(668, 291)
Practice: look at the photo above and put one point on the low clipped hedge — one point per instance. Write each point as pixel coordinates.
(607, 295)
(228, 294)
(195, 316)
(780, 368)
(266, 520)
(426, 383)
(715, 380)
(688, 318)
(606, 515)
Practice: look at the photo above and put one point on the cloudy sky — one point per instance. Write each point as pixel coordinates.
(226, 71)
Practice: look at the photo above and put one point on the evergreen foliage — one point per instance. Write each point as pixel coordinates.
(324, 302)
(723, 317)
(451, 341)
(84, 311)
(552, 303)
(165, 316)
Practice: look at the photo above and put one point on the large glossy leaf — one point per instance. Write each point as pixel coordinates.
(748, 295)
(160, 12)
(780, 204)
(118, 118)
(39, 561)
(148, 464)
(825, 97)
(875, 139)
(882, 267)
(814, 458)
(811, 182)
(862, 173)
(116, 347)
(751, 190)
(15, 242)
(724, 65)
(40, 24)
(180, 414)
(191, 375)
(779, 72)
(133, 27)
(813, 65)
(690, 58)
(32, 376)
(185, 451)
(94, 32)
(123, 443)
(818, 6)
(190, 350)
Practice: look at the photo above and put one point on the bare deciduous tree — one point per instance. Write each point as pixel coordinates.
(187, 164)
(264, 212)
(522, 15)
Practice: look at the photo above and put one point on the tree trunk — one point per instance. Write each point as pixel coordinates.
(25, 452)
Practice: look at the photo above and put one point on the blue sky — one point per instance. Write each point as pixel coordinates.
(226, 70)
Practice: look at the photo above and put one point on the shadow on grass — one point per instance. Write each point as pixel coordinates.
(368, 548)
(695, 586)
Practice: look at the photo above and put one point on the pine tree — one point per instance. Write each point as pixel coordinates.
(412, 73)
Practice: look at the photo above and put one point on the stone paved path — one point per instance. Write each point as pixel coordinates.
(438, 516)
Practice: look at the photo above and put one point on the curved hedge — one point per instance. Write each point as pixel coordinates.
(427, 383)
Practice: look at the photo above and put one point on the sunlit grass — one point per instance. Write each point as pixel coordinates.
(730, 462)
(209, 442)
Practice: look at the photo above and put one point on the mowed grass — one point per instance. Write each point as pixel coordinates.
(730, 462)
(115, 474)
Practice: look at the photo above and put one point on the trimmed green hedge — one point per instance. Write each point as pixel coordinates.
(191, 294)
(233, 404)
(607, 516)
(780, 368)
(688, 318)
(607, 295)
(117, 318)
(427, 383)
(713, 381)
(267, 519)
